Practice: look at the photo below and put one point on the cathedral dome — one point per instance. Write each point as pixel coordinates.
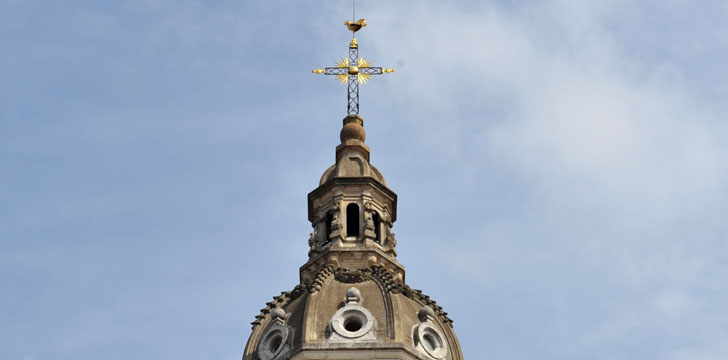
(352, 301)
(343, 311)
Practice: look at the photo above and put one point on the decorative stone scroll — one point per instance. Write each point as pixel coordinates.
(336, 219)
(314, 241)
(368, 220)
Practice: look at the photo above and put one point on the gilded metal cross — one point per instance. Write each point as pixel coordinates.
(353, 70)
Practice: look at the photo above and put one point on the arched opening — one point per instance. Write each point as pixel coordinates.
(329, 219)
(375, 219)
(352, 220)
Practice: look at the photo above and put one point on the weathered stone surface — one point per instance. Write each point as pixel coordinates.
(396, 310)
(352, 301)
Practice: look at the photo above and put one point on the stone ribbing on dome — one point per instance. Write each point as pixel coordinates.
(394, 313)
(375, 273)
(367, 170)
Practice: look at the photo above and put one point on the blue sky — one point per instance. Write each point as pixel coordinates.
(560, 167)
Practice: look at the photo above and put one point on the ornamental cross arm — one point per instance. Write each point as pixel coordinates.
(353, 70)
(345, 71)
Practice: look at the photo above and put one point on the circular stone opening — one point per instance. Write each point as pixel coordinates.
(352, 324)
(430, 342)
(275, 343)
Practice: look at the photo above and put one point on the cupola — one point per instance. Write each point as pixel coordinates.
(352, 301)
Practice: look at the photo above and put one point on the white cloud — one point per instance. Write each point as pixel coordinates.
(556, 160)
(627, 163)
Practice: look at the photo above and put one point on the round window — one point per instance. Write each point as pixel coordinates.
(275, 342)
(431, 341)
(272, 344)
(352, 322)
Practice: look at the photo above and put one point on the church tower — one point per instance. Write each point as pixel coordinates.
(352, 301)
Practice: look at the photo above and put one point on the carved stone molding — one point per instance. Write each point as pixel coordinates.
(353, 276)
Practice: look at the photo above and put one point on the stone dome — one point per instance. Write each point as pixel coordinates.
(342, 311)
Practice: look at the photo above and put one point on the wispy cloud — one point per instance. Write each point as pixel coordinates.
(565, 158)
(624, 161)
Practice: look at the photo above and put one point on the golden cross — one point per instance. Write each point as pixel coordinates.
(353, 70)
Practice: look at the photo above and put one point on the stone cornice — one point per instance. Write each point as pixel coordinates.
(339, 181)
(352, 276)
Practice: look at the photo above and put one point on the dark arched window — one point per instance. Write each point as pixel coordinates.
(352, 220)
(375, 219)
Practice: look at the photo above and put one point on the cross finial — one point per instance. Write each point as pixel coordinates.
(353, 70)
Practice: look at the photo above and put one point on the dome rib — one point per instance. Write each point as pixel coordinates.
(378, 274)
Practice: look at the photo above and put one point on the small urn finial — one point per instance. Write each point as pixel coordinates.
(353, 129)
